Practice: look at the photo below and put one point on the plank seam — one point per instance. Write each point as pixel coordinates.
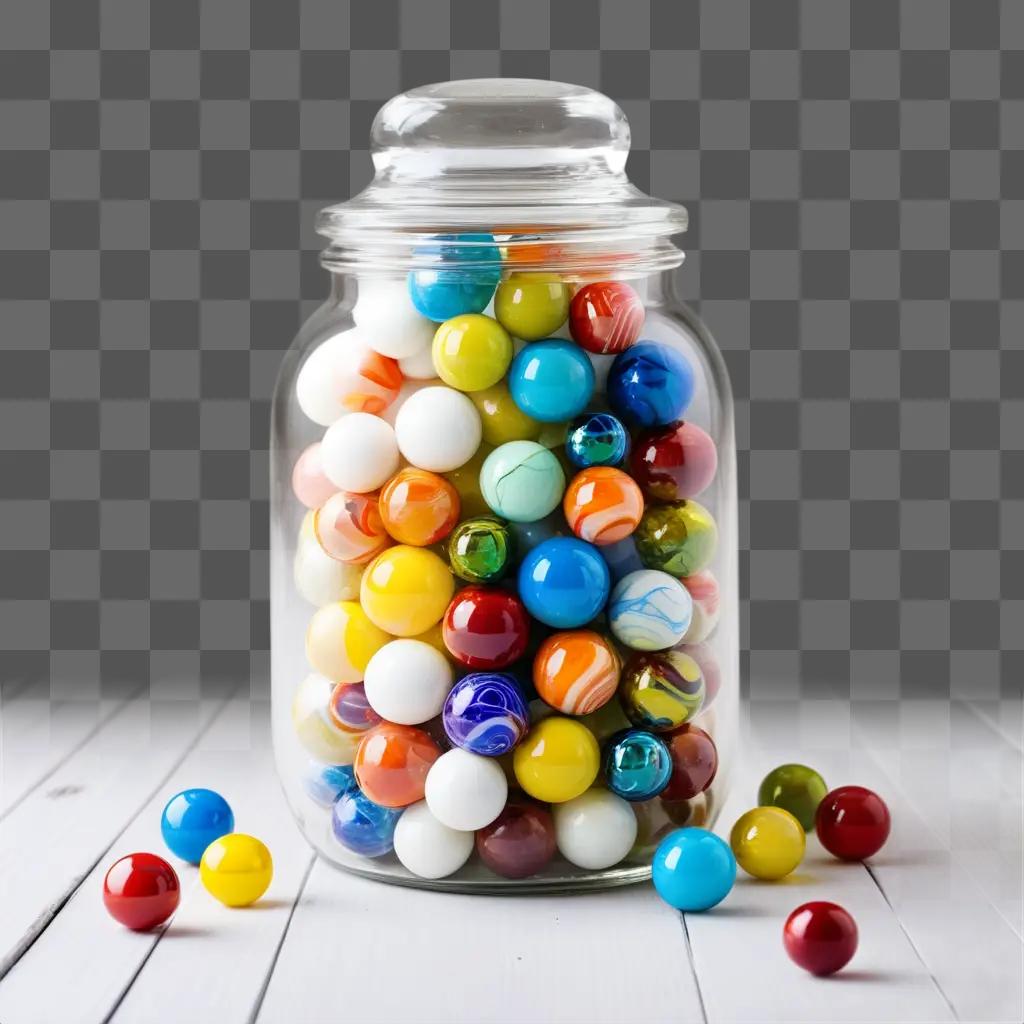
(262, 994)
(101, 724)
(50, 914)
(693, 969)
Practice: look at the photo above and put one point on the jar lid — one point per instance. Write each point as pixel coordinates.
(540, 164)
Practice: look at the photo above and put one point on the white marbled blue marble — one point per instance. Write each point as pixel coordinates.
(649, 610)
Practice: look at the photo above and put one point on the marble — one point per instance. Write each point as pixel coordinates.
(694, 763)
(407, 682)
(480, 549)
(649, 610)
(602, 505)
(795, 788)
(438, 428)
(418, 507)
(595, 830)
(392, 763)
(471, 352)
(637, 765)
(551, 380)
(192, 819)
(326, 784)
(661, 690)
(405, 590)
(466, 791)
(486, 713)
(359, 452)
(520, 842)
(141, 891)
(767, 842)
(557, 760)
(852, 822)
(467, 270)
(693, 869)
(427, 848)
(650, 385)
(349, 528)
(532, 306)
(679, 538)
(606, 317)
(501, 419)
(365, 380)
(707, 606)
(596, 439)
(522, 481)
(236, 869)
(362, 826)
(341, 639)
(576, 672)
(674, 462)
(820, 937)
(309, 482)
(486, 627)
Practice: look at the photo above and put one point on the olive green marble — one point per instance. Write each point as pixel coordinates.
(678, 537)
(795, 788)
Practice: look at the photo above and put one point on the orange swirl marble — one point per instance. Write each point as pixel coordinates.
(576, 672)
(419, 507)
(349, 527)
(603, 505)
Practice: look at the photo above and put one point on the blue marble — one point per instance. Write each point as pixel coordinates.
(650, 385)
(325, 784)
(564, 582)
(551, 380)
(362, 826)
(192, 820)
(439, 294)
(486, 713)
(637, 764)
(693, 869)
(649, 610)
(596, 439)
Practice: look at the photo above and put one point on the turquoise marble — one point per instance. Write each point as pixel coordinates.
(522, 481)
(649, 610)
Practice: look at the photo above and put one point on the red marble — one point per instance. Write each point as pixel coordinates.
(485, 627)
(141, 891)
(606, 317)
(519, 842)
(852, 822)
(820, 937)
(694, 762)
(674, 462)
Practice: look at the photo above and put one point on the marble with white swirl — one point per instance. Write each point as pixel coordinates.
(486, 713)
(649, 610)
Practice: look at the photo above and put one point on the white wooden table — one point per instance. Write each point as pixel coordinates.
(939, 909)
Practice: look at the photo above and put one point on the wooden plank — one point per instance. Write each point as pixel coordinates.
(363, 951)
(98, 961)
(53, 839)
(37, 735)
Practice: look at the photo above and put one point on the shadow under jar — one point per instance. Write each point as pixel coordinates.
(503, 534)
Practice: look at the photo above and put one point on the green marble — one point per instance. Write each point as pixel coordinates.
(479, 550)
(678, 537)
(522, 481)
(795, 788)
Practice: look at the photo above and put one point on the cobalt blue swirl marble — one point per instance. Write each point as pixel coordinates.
(486, 713)
(596, 439)
(564, 582)
(649, 610)
(451, 289)
(650, 385)
(637, 764)
(325, 784)
(362, 826)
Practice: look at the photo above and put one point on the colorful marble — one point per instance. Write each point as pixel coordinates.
(767, 842)
(364, 380)
(486, 628)
(309, 482)
(192, 819)
(576, 672)
(466, 791)
(426, 847)
(349, 709)
(551, 380)
(467, 272)
(141, 891)
(596, 439)
(359, 452)
(418, 507)
(693, 869)
(637, 765)
(486, 713)
(795, 788)
(438, 428)
(650, 385)
(606, 317)
(557, 760)
(522, 481)
(236, 869)
(341, 639)
(314, 727)
(564, 582)
(703, 589)
(532, 306)
(820, 937)
(852, 822)
(694, 763)
(674, 462)
(392, 764)
(602, 505)
(520, 842)
(661, 690)
(649, 610)
(678, 538)
(407, 682)
(362, 826)
(595, 830)
(405, 590)
(350, 529)
(480, 549)
(326, 784)
(501, 419)
(471, 352)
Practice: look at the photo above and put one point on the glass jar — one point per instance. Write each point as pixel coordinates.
(503, 537)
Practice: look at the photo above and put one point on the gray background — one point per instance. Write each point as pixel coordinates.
(855, 177)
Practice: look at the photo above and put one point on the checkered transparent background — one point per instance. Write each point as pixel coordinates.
(855, 177)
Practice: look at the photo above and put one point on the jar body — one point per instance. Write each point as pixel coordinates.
(337, 672)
